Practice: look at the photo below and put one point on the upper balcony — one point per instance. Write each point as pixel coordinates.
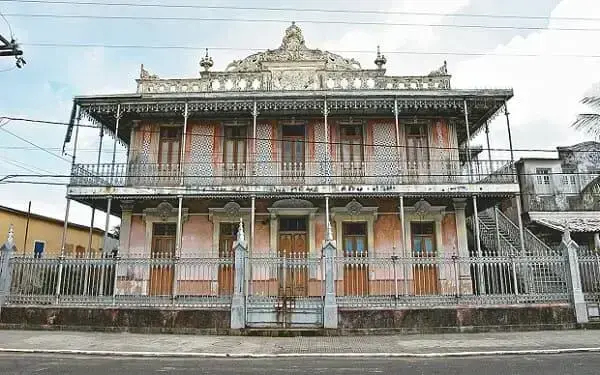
(550, 191)
(314, 175)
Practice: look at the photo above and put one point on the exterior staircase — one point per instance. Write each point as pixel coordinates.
(500, 237)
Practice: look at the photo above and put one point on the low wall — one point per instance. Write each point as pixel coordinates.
(470, 319)
(115, 319)
(442, 320)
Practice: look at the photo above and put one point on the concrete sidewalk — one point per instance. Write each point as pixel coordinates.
(127, 344)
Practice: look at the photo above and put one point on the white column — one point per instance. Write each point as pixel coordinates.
(467, 143)
(520, 221)
(328, 233)
(183, 142)
(179, 227)
(464, 276)
(403, 227)
(597, 241)
(487, 138)
(481, 279)
(125, 230)
(118, 118)
(326, 125)
(252, 222)
(63, 240)
(512, 156)
(89, 249)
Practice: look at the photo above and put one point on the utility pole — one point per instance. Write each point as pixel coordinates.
(12, 49)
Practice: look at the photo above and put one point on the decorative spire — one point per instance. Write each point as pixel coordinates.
(566, 237)
(380, 60)
(240, 234)
(206, 62)
(9, 245)
(329, 236)
(144, 74)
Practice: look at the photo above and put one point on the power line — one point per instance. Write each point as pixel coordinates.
(295, 10)
(198, 48)
(270, 139)
(34, 145)
(25, 165)
(269, 20)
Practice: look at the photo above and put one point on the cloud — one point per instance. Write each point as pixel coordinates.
(547, 89)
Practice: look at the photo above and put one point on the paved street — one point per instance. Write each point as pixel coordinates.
(580, 364)
(181, 344)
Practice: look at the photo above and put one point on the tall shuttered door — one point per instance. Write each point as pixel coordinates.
(162, 252)
(356, 271)
(425, 271)
(227, 236)
(293, 249)
(168, 155)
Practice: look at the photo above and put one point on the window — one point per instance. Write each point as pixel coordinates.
(169, 145)
(164, 229)
(68, 249)
(543, 176)
(234, 145)
(351, 138)
(423, 239)
(38, 248)
(292, 224)
(416, 143)
(293, 143)
(354, 238)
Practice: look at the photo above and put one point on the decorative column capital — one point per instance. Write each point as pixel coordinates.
(127, 205)
(459, 203)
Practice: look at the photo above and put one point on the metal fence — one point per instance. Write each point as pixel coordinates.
(394, 281)
(131, 282)
(272, 281)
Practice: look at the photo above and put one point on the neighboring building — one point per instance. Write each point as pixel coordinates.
(44, 235)
(289, 140)
(563, 192)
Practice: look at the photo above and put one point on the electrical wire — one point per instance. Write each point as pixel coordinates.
(198, 48)
(296, 10)
(271, 139)
(280, 21)
(35, 145)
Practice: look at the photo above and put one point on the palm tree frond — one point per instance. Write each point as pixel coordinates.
(592, 101)
(588, 123)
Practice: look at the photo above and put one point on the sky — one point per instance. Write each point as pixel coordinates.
(548, 88)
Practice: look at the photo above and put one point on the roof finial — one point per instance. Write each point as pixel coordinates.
(240, 234)
(206, 62)
(380, 60)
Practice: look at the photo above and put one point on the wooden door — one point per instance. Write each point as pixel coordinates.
(425, 271)
(292, 149)
(356, 270)
(351, 147)
(227, 236)
(234, 152)
(163, 251)
(293, 250)
(169, 153)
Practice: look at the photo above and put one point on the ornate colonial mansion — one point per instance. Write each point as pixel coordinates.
(296, 184)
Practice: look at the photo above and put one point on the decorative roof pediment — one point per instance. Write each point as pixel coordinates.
(293, 51)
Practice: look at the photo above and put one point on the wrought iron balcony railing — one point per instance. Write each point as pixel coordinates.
(370, 172)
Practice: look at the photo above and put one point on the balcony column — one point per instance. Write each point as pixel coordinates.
(114, 153)
(252, 222)
(183, 141)
(248, 157)
(397, 124)
(520, 220)
(125, 230)
(106, 226)
(91, 232)
(464, 270)
(467, 147)
(487, 138)
(480, 266)
(328, 171)
(179, 226)
(510, 144)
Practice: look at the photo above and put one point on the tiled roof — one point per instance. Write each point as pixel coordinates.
(576, 221)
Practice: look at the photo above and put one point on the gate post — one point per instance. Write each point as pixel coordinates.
(238, 301)
(7, 252)
(569, 248)
(330, 308)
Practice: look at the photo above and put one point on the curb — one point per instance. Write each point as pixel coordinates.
(107, 353)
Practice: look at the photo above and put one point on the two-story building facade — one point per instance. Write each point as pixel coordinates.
(562, 193)
(294, 141)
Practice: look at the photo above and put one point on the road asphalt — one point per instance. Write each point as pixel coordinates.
(560, 364)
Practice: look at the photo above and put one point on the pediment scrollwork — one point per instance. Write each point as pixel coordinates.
(292, 203)
(165, 211)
